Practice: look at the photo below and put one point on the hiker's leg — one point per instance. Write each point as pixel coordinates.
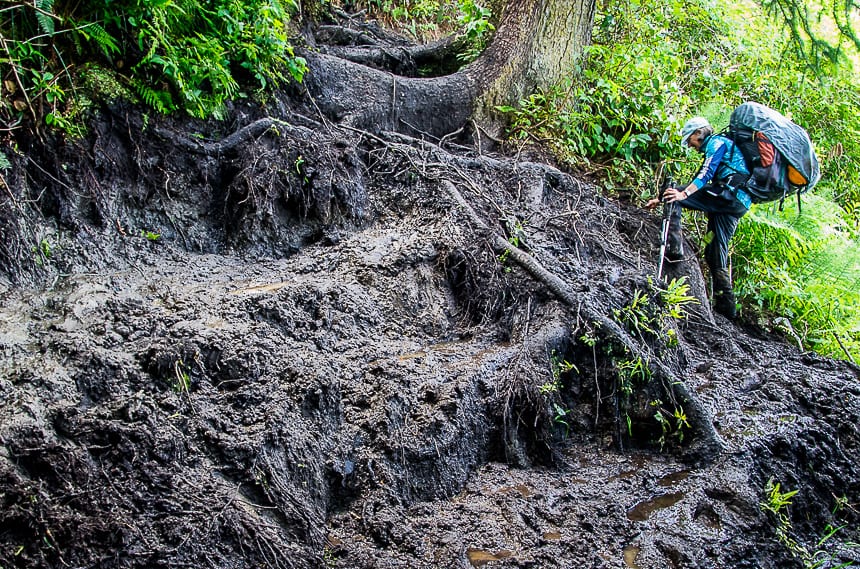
(705, 200)
(698, 201)
(723, 216)
(674, 240)
(724, 297)
(722, 228)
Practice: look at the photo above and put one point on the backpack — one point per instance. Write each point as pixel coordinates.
(778, 153)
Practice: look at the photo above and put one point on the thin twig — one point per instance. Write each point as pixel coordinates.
(844, 349)
(11, 197)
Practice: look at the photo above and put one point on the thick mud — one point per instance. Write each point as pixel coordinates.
(374, 395)
(277, 342)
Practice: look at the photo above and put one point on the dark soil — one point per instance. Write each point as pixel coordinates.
(327, 358)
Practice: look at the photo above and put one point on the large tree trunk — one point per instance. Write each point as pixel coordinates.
(536, 43)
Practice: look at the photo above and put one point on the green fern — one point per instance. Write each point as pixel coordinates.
(179, 54)
(45, 16)
(159, 100)
(806, 269)
(95, 32)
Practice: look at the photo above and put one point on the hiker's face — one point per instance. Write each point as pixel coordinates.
(695, 140)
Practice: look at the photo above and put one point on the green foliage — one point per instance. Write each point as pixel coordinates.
(516, 232)
(194, 46)
(672, 423)
(651, 316)
(181, 377)
(675, 297)
(159, 99)
(830, 110)
(559, 366)
(423, 19)
(811, 43)
(806, 269)
(631, 372)
(777, 504)
(181, 54)
(42, 252)
(639, 315)
(94, 33)
(475, 22)
(619, 107)
(428, 19)
(551, 389)
(560, 418)
(44, 15)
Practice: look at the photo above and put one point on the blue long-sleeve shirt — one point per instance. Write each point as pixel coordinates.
(720, 161)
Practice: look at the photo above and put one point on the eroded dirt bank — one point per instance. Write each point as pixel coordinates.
(327, 359)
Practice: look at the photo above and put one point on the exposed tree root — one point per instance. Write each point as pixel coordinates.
(707, 443)
(403, 60)
(232, 141)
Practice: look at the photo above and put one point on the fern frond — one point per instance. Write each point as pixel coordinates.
(104, 40)
(93, 32)
(159, 100)
(45, 15)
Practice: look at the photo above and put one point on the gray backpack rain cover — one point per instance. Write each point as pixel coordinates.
(789, 138)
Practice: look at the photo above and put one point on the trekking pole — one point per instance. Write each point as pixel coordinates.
(664, 237)
(668, 209)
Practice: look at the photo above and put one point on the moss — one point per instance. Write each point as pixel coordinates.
(97, 84)
(104, 84)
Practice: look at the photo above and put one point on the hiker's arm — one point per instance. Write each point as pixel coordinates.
(709, 167)
(705, 175)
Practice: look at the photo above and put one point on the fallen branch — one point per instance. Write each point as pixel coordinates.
(709, 444)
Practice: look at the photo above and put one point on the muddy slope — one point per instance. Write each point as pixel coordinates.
(329, 357)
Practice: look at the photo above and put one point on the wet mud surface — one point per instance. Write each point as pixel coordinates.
(326, 359)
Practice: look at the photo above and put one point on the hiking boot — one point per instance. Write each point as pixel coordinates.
(725, 304)
(724, 298)
(674, 246)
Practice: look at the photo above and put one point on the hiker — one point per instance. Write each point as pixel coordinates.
(715, 190)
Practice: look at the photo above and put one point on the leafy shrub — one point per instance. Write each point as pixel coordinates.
(429, 19)
(181, 54)
(474, 20)
(422, 19)
(619, 108)
(804, 269)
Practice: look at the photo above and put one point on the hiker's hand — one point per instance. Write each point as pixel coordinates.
(652, 203)
(674, 195)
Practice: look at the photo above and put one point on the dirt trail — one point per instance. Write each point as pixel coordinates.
(372, 395)
(286, 343)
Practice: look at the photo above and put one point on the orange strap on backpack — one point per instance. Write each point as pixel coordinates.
(765, 149)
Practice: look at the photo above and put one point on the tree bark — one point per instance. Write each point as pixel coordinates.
(535, 44)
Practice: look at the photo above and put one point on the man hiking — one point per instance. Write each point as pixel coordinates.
(716, 190)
